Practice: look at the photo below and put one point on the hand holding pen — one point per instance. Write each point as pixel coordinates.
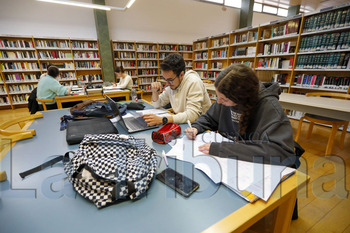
(191, 132)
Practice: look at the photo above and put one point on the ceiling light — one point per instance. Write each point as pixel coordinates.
(89, 5)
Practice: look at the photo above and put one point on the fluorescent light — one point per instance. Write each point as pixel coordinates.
(89, 5)
(81, 4)
(130, 3)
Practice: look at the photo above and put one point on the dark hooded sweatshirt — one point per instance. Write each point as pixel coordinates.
(268, 138)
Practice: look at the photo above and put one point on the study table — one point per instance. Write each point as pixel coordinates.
(45, 201)
(83, 96)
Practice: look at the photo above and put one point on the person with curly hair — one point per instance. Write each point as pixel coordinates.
(249, 114)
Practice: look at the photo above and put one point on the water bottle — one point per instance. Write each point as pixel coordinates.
(134, 95)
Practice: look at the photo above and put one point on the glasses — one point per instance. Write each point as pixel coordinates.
(171, 81)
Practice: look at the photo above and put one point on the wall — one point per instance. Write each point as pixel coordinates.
(260, 18)
(30, 17)
(180, 21)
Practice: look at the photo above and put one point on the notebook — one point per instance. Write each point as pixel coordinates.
(131, 124)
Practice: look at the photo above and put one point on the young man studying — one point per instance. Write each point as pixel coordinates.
(185, 92)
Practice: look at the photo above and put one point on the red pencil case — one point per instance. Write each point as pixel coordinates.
(167, 133)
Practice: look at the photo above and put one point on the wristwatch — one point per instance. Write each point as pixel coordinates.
(165, 120)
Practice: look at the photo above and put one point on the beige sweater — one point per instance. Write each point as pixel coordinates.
(189, 100)
(125, 82)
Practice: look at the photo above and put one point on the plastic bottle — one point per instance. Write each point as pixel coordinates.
(134, 95)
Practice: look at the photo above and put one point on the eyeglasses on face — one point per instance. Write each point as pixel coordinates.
(170, 80)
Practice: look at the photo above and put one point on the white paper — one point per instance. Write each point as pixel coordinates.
(259, 179)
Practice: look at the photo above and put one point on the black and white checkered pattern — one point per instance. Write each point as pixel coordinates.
(106, 166)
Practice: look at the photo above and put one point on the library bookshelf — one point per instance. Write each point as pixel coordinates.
(304, 53)
(218, 53)
(23, 59)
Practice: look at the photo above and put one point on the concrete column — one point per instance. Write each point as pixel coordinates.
(293, 10)
(104, 42)
(246, 17)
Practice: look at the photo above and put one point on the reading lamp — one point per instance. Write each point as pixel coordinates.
(90, 5)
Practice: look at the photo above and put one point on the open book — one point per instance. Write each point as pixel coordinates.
(249, 180)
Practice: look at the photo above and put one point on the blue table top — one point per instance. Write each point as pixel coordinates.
(46, 202)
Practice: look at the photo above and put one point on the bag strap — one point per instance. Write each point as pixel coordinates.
(64, 158)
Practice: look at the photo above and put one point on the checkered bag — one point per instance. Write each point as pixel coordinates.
(110, 167)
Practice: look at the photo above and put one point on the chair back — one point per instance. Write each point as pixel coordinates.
(44, 101)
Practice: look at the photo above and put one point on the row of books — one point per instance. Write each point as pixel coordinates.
(146, 80)
(324, 61)
(4, 100)
(146, 47)
(18, 55)
(216, 65)
(219, 54)
(330, 41)
(248, 51)
(87, 64)
(328, 20)
(146, 88)
(20, 99)
(5, 43)
(124, 46)
(201, 55)
(276, 63)
(247, 63)
(52, 44)
(245, 37)
(188, 63)
(131, 72)
(23, 88)
(187, 48)
(289, 27)
(202, 74)
(201, 45)
(84, 45)
(221, 42)
(323, 81)
(212, 74)
(67, 76)
(147, 55)
(147, 63)
(280, 78)
(124, 55)
(201, 65)
(90, 78)
(54, 55)
(61, 65)
(147, 72)
(86, 55)
(126, 64)
(167, 47)
(279, 48)
(3, 90)
(163, 55)
(19, 66)
(21, 77)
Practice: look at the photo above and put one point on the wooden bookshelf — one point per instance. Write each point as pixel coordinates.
(86, 56)
(147, 63)
(20, 70)
(186, 50)
(200, 57)
(125, 54)
(218, 54)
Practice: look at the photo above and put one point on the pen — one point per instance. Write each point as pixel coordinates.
(189, 124)
(165, 159)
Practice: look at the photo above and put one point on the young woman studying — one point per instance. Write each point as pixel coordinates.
(125, 81)
(248, 113)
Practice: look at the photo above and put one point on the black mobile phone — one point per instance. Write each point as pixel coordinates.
(180, 183)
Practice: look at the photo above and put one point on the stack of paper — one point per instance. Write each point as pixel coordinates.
(250, 180)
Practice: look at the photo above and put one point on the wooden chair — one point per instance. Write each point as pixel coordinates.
(140, 92)
(335, 123)
(21, 134)
(44, 101)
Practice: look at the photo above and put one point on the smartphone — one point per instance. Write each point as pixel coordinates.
(180, 183)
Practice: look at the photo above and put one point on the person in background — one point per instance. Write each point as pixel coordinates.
(185, 91)
(125, 81)
(49, 87)
(247, 112)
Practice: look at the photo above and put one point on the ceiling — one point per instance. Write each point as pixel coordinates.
(308, 5)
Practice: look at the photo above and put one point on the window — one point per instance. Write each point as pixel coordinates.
(282, 12)
(269, 9)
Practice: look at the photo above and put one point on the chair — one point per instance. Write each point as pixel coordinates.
(44, 101)
(335, 123)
